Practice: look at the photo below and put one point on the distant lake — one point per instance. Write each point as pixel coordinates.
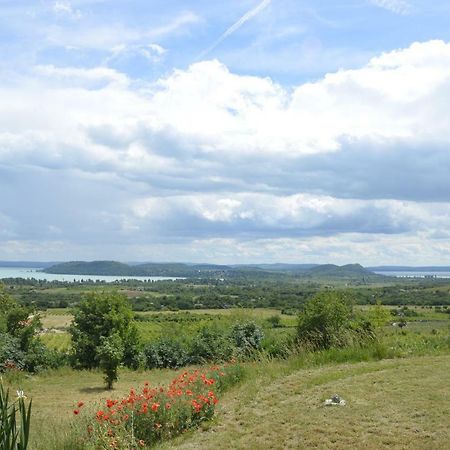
(415, 274)
(21, 272)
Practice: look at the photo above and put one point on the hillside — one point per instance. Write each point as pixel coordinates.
(93, 268)
(395, 404)
(348, 271)
(277, 271)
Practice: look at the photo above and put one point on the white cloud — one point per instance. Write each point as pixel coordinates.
(395, 6)
(64, 7)
(205, 154)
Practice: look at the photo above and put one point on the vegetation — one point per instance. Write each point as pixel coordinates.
(15, 418)
(328, 321)
(103, 334)
(289, 325)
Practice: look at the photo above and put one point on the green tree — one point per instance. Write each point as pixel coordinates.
(328, 321)
(101, 315)
(110, 355)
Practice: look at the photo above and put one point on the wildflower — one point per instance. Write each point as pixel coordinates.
(141, 443)
(76, 412)
(20, 394)
(168, 405)
(155, 407)
(80, 404)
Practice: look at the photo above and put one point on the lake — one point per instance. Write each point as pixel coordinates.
(408, 274)
(21, 272)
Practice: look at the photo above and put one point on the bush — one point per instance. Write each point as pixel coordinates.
(247, 337)
(11, 356)
(328, 321)
(165, 353)
(210, 345)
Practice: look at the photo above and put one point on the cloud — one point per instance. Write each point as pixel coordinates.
(64, 7)
(206, 162)
(238, 24)
(396, 6)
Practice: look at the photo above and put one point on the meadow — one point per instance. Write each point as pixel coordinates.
(395, 389)
(394, 386)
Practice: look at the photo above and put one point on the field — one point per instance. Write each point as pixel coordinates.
(395, 387)
(393, 404)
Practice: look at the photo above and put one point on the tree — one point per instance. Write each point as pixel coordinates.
(328, 321)
(110, 355)
(99, 316)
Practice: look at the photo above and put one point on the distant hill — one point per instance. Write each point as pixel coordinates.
(148, 269)
(348, 271)
(308, 271)
(282, 267)
(27, 264)
(93, 268)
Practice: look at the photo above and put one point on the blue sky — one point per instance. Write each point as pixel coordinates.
(239, 131)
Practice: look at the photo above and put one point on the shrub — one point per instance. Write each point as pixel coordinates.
(274, 321)
(210, 345)
(165, 353)
(247, 337)
(328, 321)
(10, 354)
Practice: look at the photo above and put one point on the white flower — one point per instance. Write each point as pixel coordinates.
(20, 394)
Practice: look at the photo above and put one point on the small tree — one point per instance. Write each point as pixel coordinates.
(98, 316)
(328, 321)
(110, 355)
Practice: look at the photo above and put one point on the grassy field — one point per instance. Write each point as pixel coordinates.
(399, 403)
(395, 404)
(56, 393)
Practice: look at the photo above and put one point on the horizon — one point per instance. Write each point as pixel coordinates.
(229, 264)
(245, 132)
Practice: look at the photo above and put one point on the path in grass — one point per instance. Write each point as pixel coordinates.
(395, 404)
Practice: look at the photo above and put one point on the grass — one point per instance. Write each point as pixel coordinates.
(281, 399)
(56, 393)
(393, 404)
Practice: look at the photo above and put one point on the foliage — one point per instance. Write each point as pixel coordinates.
(99, 316)
(328, 321)
(378, 315)
(165, 353)
(247, 337)
(274, 321)
(159, 413)
(110, 354)
(13, 435)
(11, 357)
(210, 344)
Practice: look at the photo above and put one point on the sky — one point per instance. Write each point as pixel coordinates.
(228, 132)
